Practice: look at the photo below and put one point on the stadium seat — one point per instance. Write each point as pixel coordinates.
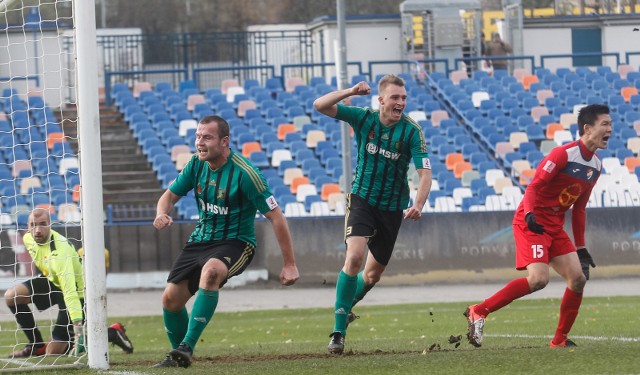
(627, 92)
(492, 175)
(329, 189)
(562, 136)
(452, 159)
(259, 159)
(283, 129)
(527, 80)
(437, 116)
(249, 147)
(460, 167)
(303, 188)
(315, 136)
(632, 162)
(526, 175)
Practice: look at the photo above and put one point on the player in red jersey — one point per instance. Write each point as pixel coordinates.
(563, 179)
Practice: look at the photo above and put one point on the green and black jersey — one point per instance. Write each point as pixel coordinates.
(384, 154)
(227, 198)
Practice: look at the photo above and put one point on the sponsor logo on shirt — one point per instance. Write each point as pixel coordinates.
(271, 202)
(589, 174)
(570, 195)
(213, 208)
(373, 149)
(549, 166)
(426, 164)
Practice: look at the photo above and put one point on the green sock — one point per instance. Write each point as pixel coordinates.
(203, 309)
(362, 289)
(175, 323)
(345, 292)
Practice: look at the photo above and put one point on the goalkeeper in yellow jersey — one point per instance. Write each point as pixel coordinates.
(60, 283)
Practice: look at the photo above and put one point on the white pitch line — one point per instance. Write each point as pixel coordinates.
(22, 363)
(591, 338)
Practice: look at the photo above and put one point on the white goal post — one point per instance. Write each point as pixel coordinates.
(38, 168)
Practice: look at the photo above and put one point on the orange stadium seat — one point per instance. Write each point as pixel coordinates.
(528, 80)
(552, 128)
(297, 181)
(627, 92)
(250, 147)
(54, 137)
(328, 189)
(453, 158)
(526, 175)
(631, 163)
(283, 129)
(75, 196)
(460, 167)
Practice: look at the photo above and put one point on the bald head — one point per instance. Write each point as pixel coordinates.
(40, 225)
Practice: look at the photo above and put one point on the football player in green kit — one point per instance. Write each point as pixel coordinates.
(387, 141)
(229, 190)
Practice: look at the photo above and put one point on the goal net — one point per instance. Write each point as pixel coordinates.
(43, 130)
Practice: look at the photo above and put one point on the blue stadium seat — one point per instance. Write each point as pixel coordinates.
(535, 133)
(467, 202)
(307, 163)
(259, 159)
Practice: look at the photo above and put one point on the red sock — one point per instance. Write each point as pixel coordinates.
(568, 312)
(513, 290)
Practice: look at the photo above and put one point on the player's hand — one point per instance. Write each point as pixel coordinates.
(162, 221)
(79, 342)
(585, 261)
(412, 213)
(361, 88)
(533, 226)
(289, 275)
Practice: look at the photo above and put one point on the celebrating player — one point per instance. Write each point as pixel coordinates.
(563, 179)
(387, 140)
(60, 283)
(229, 191)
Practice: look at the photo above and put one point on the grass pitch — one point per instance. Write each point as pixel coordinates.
(407, 339)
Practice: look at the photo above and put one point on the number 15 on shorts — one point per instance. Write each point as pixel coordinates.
(537, 251)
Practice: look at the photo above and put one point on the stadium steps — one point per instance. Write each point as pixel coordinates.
(127, 177)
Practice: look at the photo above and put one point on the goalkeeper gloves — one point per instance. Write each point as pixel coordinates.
(585, 261)
(533, 226)
(78, 340)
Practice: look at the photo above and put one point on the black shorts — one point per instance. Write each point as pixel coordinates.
(381, 227)
(44, 294)
(235, 254)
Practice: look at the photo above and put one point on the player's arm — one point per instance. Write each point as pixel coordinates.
(578, 223)
(579, 218)
(289, 273)
(164, 207)
(328, 103)
(62, 270)
(424, 187)
(423, 168)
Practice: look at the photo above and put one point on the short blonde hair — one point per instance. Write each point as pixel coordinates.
(390, 79)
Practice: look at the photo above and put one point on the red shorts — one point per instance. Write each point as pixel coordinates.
(539, 248)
